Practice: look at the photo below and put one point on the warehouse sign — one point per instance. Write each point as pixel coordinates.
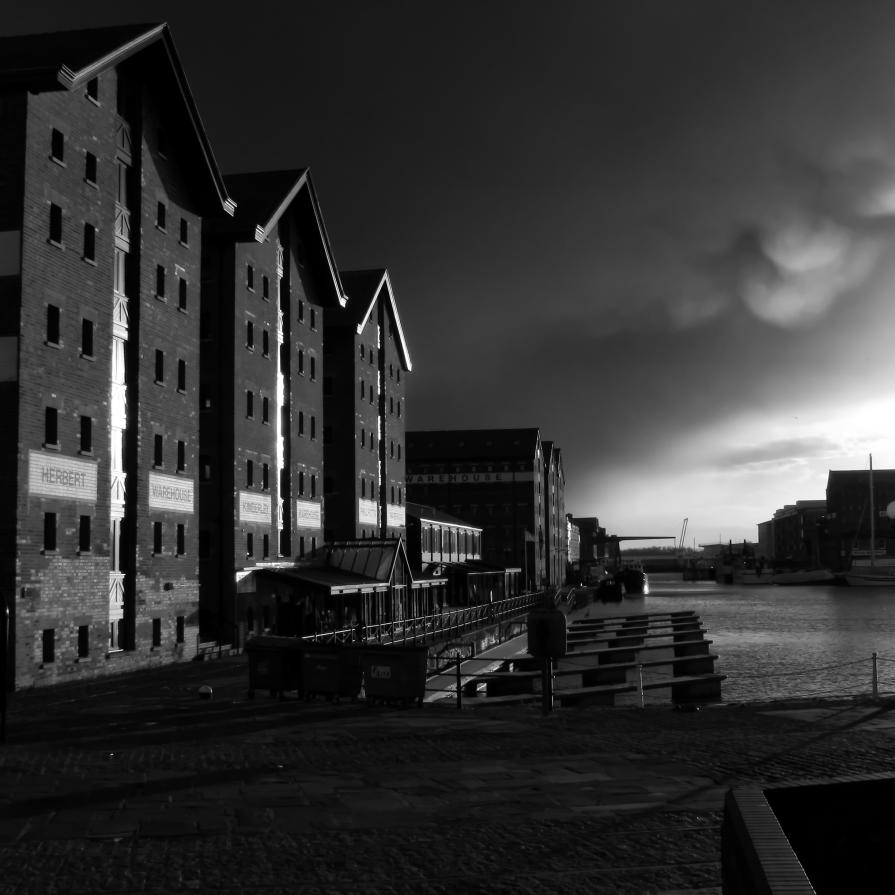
(395, 516)
(254, 507)
(168, 492)
(307, 514)
(469, 477)
(50, 475)
(367, 512)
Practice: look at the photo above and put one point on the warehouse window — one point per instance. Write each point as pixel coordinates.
(301, 422)
(265, 546)
(86, 338)
(179, 636)
(84, 534)
(184, 232)
(250, 277)
(181, 375)
(159, 366)
(265, 410)
(265, 476)
(250, 544)
(250, 405)
(57, 145)
(156, 538)
(53, 317)
(250, 473)
(48, 645)
(181, 294)
(181, 456)
(158, 450)
(160, 280)
(250, 335)
(86, 435)
(49, 532)
(161, 216)
(156, 632)
(265, 343)
(181, 539)
(265, 287)
(90, 168)
(83, 641)
(51, 427)
(89, 242)
(55, 224)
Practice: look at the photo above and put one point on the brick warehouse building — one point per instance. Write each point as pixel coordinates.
(269, 281)
(100, 234)
(494, 478)
(367, 362)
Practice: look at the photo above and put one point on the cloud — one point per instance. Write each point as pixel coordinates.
(785, 451)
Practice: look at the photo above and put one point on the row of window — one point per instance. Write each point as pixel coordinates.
(161, 287)
(54, 331)
(160, 370)
(161, 223)
(57, 154)
(85, 543)
(367, 353)
(371, 394)
(372, 491)
(48, 638)
(265, 294)
(370, 442)
(51, 431)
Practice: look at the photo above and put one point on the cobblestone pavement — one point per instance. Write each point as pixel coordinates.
(134, 784)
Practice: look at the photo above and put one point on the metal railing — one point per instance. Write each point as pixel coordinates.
(442, 625)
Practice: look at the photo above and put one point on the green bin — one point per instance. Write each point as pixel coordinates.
(274, 664)
(332, 671)
(395, 674)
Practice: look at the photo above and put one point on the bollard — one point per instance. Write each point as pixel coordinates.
(205, 692)
(875, 679)
(459, 685)
(640, 680)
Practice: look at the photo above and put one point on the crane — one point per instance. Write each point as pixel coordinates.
(680, 543)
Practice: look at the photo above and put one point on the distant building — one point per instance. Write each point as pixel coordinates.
(847, 520)
(591, 539)
(442, 545)
(794, 535)
(573, 546)
(555, 534)
(495, 479)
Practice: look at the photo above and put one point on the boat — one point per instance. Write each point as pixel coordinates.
(873, 574)
(803, 576)
(633, 579)
(751, 576)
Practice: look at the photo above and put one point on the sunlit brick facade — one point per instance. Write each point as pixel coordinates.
(101, 214)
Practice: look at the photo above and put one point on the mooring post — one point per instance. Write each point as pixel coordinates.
(875, 679)
(459, 685)
(547, 686)
(640, 680)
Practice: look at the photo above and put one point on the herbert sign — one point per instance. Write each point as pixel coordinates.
(307, 514)
(254, 507)
(50, 475)
(168, 492)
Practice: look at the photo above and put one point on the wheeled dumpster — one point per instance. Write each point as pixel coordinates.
(395, 674)
(275, 664)
(331, 670)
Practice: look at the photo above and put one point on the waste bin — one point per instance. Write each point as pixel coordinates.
(332, 671)
(274, 664)
(395, 674)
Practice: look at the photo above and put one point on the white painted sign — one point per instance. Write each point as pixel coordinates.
(254, 507)
(367, 512)
(395, 516)
(51, 475)
(307, 514)
(169, 492)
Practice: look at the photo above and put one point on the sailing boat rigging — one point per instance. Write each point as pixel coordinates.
(872, 575)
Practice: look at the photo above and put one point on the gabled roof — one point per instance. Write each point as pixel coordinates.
(264, 197)
(364, 287)
(471, 444)
(69, 59)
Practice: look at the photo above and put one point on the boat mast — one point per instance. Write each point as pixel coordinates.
(872, 519)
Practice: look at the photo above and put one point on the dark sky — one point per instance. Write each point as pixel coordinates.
(661, 231)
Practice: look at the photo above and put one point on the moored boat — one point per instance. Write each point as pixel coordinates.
(803, 576)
